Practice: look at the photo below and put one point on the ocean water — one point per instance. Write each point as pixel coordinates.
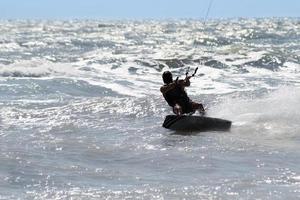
(81, 110)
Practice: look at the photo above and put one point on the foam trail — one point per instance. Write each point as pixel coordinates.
(274, 116)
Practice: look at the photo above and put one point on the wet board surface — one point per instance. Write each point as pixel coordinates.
(195, 123)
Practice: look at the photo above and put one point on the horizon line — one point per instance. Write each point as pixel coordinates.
(144, 18)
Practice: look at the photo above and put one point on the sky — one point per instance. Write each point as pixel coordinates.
(146, 9)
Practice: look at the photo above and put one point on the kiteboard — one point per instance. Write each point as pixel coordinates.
(195, 123)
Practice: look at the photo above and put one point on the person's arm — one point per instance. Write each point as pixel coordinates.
(187, 82)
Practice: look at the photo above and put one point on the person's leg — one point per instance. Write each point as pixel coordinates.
(199, 107)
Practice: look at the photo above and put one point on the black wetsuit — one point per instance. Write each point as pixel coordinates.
(178, 95)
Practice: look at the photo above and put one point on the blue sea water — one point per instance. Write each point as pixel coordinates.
(81, 110)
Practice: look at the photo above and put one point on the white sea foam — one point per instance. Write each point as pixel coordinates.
(272, 118)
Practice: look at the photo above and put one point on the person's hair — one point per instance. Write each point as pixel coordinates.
(167, 77)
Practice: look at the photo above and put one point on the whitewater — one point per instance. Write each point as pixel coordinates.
(81, 110)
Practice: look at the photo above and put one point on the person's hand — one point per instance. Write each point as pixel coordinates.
(188, 77)
(177, 110)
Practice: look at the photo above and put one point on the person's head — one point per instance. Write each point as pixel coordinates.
(167, 77)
